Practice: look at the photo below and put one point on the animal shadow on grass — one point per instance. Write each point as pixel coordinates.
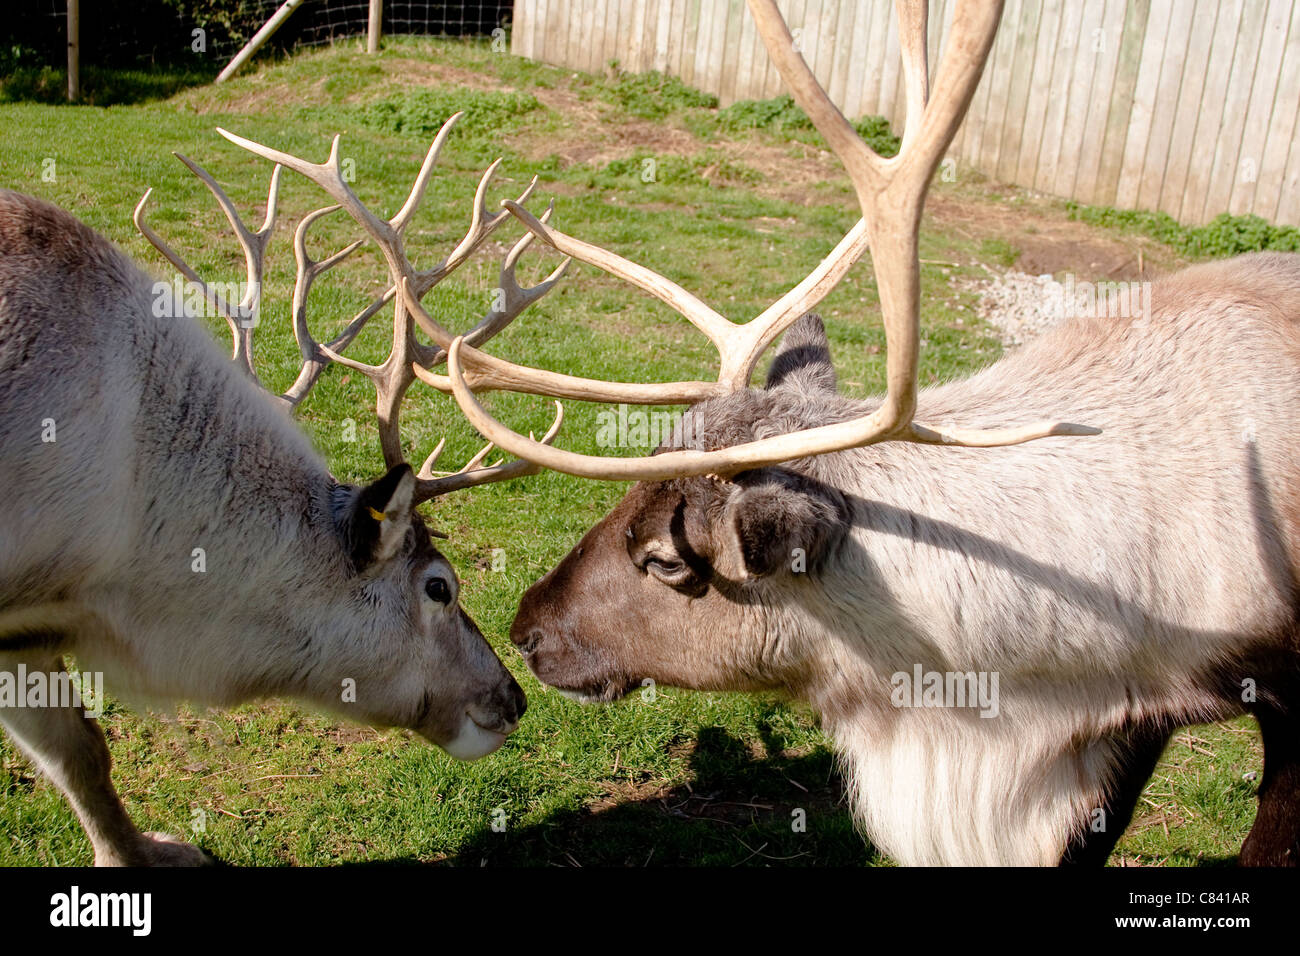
(736, 808)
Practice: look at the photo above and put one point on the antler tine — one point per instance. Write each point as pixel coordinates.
(404, 215)
(316, 357)
(912, 29)
(512, 300)
(891, 194)
(482, 225)
(426, 470)
(484, 373)
(389, 234)
(756, 454)
(715, 327)
(241, 317)
(329, 177)
(428, 486)
(395, 374)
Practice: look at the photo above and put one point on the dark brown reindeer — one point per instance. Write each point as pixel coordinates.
(1093, 595)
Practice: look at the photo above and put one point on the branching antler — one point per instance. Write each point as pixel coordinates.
(243, 316)
(891, 193)
(408, 357)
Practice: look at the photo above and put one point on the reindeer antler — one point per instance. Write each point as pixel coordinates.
(407, 358)
(891, 193)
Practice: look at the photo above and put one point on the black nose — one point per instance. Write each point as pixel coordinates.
(518, 698)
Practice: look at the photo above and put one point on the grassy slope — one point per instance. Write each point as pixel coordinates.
(681, 778)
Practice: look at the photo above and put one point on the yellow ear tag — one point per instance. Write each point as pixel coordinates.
(377, 515)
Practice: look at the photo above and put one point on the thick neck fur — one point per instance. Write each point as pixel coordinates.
(189, 503)
(1109, 582)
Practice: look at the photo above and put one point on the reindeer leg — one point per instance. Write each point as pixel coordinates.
(70, 749)
(1274, 840)
(1138, 750)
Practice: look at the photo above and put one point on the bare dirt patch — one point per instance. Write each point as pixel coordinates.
(1047, 240)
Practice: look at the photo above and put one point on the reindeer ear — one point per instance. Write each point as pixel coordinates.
(379, 518)
(803, 361)
(784, 521)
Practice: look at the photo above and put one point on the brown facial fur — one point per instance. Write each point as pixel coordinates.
(628, 625)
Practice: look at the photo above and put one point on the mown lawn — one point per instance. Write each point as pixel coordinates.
(733, 214)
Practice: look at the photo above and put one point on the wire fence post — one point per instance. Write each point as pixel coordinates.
(375, 27)
(74, 50)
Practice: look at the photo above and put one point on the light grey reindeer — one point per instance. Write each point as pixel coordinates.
(1000, 640)
(169, 525)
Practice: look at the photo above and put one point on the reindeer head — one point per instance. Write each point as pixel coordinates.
(371, 598)
(630, 602)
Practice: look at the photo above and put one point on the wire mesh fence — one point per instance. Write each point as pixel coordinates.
(133, 32)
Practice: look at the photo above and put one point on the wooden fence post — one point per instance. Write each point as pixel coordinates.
(260, 37)
(74, 50)
(375, 26)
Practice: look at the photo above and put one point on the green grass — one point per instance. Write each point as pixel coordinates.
(781, 116)
(1225, 235)
(99, 87)
(685, 777)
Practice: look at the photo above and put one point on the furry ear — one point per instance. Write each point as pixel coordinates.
(785, 521)
(803, 360)
(377, 522)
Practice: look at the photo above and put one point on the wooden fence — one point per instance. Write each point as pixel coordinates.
(1186, 106)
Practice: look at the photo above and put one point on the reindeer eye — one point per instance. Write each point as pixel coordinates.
(671, 571)
(438, 590)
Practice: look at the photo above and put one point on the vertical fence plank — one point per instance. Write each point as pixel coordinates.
(1132, 41)
(592, 54)
(663, 26)
(974, 141)
(1078, 97)
(1254, 133)
(1224, 172)
(747, 56)
(676, 38)
(1103, 43)
(730, 58)
(1058, 97)
(1036, 107)
(1002, 66)
(890, 80)
(845, 23)
(1182, 135)
(1209, 118)
(691, 41)
(1152, 178)
(1288, 210)
(1022, 78)
(1144, 104)
(554, 27)
(521, 34)
(703, 43)
(1282, 127)
(854, 101)
(717, 41)
(873, 79)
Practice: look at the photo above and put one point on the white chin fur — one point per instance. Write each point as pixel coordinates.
(581, 697)
(473, 741)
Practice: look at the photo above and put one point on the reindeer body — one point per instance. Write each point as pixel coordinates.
(168, 524)
(1119, 587)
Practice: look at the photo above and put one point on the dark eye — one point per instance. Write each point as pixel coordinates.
(438, 590)
(665, 567)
